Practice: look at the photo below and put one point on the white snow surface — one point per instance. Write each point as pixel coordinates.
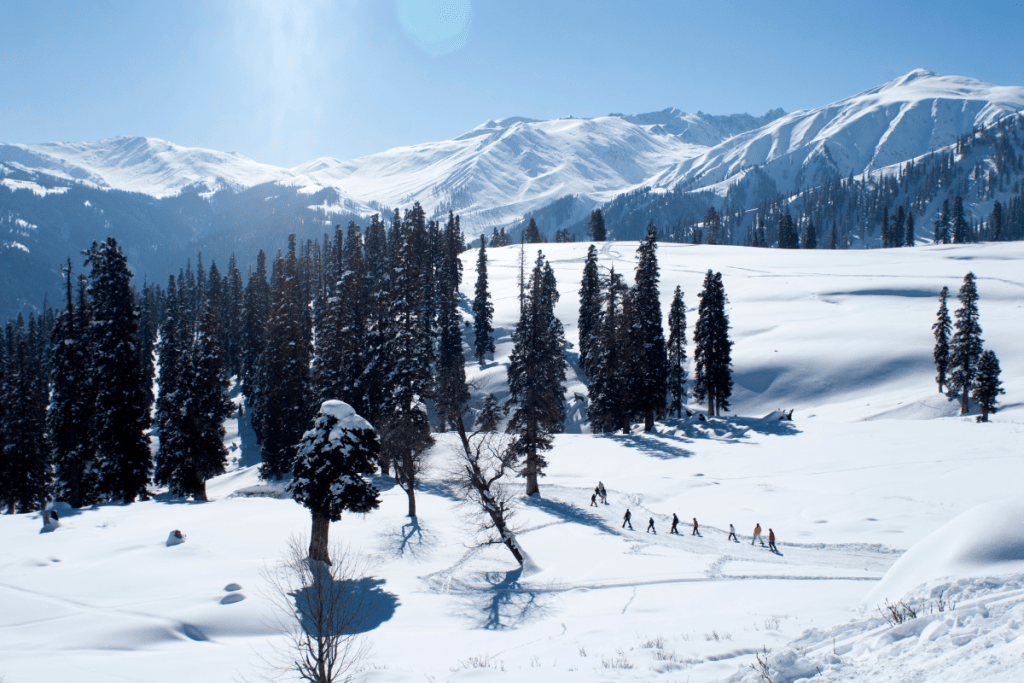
(874, 461)
(500, 170)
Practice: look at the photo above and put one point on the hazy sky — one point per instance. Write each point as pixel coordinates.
(285, 82)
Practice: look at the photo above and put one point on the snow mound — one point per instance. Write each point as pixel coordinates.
(176, 537)
(345, 414)
(987, 540)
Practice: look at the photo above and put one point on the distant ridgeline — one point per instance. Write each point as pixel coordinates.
(983, 167)
(44, 220)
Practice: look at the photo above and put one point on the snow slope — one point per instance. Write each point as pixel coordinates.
(873, 463)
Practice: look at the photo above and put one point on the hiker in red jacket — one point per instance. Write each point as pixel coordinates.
(696, 532)
(771, 541)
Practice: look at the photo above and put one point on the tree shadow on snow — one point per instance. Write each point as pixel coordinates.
(568, 513)
(502, 603)
(410, 540)
(363, 605)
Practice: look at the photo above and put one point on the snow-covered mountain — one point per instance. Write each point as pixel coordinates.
(905, 118)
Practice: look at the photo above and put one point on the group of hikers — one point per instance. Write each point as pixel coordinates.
(600, 492)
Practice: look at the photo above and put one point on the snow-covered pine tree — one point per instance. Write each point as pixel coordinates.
(483, 309)
(961, 230)
(942, 224)
(996, 230)
(595, 226)
(489, 417)
(608, 408)
(536, 371)
(648, 361)
(810, 236)
(908, 238)
(677, 353)
(332, 462)
(987, 387)
(532, 234)
(450, 381)
(233, 317)
(712, 349)
(941, 329)
(285, 378)
(408, 355)
(70, 410)
(123, 398)
(590, 310)
(965, 346)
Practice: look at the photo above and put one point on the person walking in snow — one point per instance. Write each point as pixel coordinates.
(625, 520)
(593, 500)
(771, 541)
(732, 534)
(650, 526)
(757, 535)
(696, 531)
(602, 492)
(675, 524)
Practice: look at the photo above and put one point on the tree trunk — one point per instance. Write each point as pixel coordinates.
(318, 538)
(711, 403)
(984, 413)
(200, 492)
(76, 485)
(531, 474)
(410, 478)
(649, 420)
(963, 401)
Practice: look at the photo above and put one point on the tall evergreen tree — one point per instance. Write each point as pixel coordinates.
(832, 240)
(961, 230)
(608, 407)
(942, 327)
(648, 363)
(256, 312)
(712, 349)
(536, 371)
(590, 310)
(450, 384)
(532, 234)
(942, 224)
(123, 398)
(965, 347)
(908, 238)
(997, 222)
(987, 387)
(285, 380)
(898, 227)
(595, 226)
(69, 416)
(677, 353)
(483, 309)
(28, 476)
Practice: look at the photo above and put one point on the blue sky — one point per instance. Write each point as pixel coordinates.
(285, 82)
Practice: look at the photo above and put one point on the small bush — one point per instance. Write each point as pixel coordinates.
(483, 661)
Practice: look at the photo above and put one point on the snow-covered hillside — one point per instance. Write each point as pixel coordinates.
(874, 462)
(905, 118)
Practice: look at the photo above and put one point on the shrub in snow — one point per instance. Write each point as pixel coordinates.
(176, 537)
(328, 476)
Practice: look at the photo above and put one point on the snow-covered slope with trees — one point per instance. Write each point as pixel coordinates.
(873, 463)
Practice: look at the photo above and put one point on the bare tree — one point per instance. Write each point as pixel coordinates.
(321, 609)
(481, 473)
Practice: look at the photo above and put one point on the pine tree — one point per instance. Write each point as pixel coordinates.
(28, 476)
(595, 226)
(329, 475)
(712, 349)
(832, 236)
(987, 387)
(942, 224)
(608, 408)
(997, 222)
(788, 238)
(70, 411)
(123, 398)
(961, 231)
(256, 311)
(405, 428)
(285, 379)
(532, 234)
(810, 236)
(898, 236)
(942, 327)
(908, 240)
(590, 310)
(677, 353)
(483, 309)
(536, 371)
(648, 363)
(966, 344)
(450, 382)
(886, 229)
(489, 417)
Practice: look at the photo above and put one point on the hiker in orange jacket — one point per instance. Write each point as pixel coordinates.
(757, 535)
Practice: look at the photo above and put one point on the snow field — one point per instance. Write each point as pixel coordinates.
(873, 463)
